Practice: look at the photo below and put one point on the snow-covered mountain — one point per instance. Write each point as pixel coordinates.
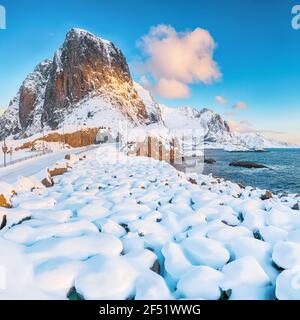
(215, 131)
(88, 82)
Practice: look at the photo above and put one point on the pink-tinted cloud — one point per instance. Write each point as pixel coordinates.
(178, 57)
(240, 105)
(221, 100)
(241, 126)
(171, 89)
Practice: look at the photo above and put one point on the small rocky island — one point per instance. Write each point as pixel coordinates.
(247, 164)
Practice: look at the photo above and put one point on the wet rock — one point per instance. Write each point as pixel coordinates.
(296, 206)
(209, 161)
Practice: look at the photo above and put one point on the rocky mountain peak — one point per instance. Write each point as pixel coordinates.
(85, 65)
(83, 68)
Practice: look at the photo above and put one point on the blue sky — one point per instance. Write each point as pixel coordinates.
(257, 50)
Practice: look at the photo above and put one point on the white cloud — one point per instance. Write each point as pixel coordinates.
(178, 57)
(221, 100)
(240, 105)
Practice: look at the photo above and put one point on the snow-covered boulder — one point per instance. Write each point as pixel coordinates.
(203, 251)
(106, 278)
(200, 282)
(244, 278)
(288, 284)
(176, 264)
(286, 254)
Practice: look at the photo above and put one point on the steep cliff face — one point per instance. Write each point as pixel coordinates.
(88, 65)
(25, 110)
(32, 94)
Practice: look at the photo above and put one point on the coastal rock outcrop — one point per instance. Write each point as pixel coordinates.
(247, 164)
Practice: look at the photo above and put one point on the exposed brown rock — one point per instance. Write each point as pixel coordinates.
(84, 65)
(193, 181)
(31, 92)
(267, 195)
(5, 202)
(80, 138)
(48, 182)
(57, 171)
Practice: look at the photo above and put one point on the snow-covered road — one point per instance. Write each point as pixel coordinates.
(33, 166)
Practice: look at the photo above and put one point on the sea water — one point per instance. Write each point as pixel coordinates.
(282, 174)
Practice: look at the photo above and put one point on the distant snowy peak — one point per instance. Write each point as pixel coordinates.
(257, 140)
(211, 124)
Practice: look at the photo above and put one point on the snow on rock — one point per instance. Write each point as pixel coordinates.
(203, 251)
(57, 276)
(151, 286)
(93, 211)
(246, 279)
(38, 204)
(273, 234)
(13, 217)
(200, 282)
(80, 248)
(286, 254)
(176, 264)
(135, 228)
(17, 278)
(106, 278)
(288, 284)
(27, 184)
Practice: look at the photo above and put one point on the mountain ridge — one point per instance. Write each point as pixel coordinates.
(88, 82)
